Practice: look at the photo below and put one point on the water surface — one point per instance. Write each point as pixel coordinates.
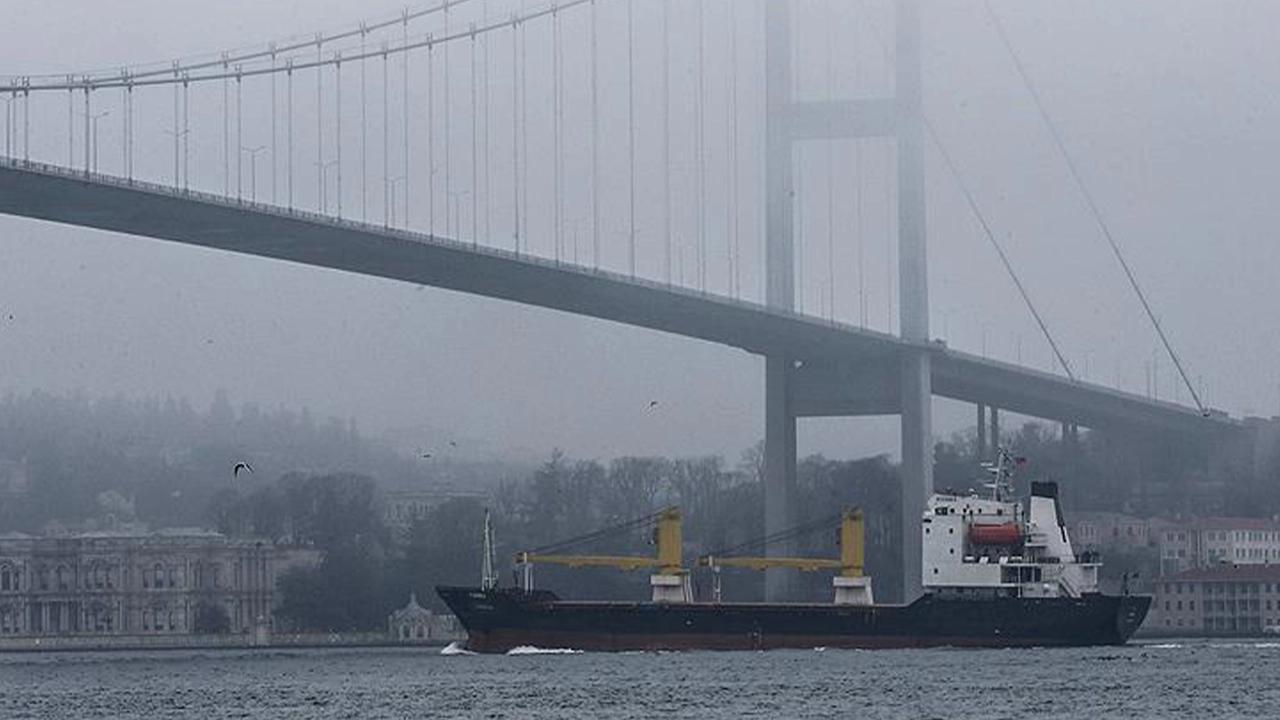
(1195, 679)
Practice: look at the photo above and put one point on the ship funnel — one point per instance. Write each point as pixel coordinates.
(1046, 517)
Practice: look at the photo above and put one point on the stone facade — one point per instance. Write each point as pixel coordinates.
(160, 583)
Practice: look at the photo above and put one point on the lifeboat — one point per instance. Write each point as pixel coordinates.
(996, 534)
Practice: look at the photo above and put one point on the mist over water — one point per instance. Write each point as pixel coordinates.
(1190, 679)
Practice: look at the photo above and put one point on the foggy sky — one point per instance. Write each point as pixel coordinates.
(1169, 108)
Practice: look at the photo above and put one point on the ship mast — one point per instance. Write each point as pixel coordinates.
(488, 579)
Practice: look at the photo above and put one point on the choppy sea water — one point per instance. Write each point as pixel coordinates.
(1180, 679)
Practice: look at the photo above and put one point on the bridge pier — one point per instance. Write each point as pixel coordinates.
(780, 422)
(980, 445)
(913, 292)
(779, 468)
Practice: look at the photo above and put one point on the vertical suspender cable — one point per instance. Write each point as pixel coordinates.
(701, 151)
(275, 135)
(337, 124)
(557, 224)
(289, 121)
(448, 138)
(488, 194)
(631, 134)
(889, 234)
(431, 136)
(364, 126)
(859, 205)
(186, 135)
(475, 165)
(323, 195)
(71, 126)
(524, 130)
(128, 132)
(830, 169)
(666, 137)
(595, 138)
(88, 117)
(735, 261)
(387, 198)
(226, 130)
(177, 136)
(26, 122)
(404, 67)
(240, 134)
(515, 133)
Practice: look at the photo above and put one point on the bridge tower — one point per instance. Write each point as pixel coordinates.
(789, 122)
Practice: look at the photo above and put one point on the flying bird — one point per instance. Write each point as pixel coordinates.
(426, 455)
(235, 471)
(453, 443)
(653, 404)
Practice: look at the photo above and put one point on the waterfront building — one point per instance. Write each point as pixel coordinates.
(414, 624)
(1220, 600)
(1206, 542)
(402, 508)
(1109, 530)
(182, 581)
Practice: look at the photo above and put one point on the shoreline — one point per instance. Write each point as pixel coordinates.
(135, 643)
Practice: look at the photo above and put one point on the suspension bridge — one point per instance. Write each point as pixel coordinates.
(629, 161)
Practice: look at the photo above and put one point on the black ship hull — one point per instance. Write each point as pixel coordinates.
(503, 619)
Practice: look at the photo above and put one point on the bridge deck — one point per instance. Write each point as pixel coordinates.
(109, 203)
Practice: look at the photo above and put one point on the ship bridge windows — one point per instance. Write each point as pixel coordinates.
(1020, 574)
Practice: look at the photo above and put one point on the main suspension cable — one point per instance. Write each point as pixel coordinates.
(1004, 259)
(1090, 202)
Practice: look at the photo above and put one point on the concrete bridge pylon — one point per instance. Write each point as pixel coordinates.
(787, 123)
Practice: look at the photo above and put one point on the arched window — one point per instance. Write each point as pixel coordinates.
(42, 573)
(158, 575)
(6, 574)
(63, 575)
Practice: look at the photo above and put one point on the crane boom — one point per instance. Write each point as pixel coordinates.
(622, 562)
(850, 563)
(670, 558)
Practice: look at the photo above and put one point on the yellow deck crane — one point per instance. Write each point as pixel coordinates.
(670, 580)
(851, 586)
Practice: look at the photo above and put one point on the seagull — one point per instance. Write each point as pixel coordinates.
(235, 471)
(653, 404)
(453, 443)
(426, 455)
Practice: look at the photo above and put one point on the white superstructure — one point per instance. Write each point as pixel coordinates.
(992, 546)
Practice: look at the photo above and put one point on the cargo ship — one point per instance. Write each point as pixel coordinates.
(996, 573)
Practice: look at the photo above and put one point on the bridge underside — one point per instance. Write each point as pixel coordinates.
(838, 370)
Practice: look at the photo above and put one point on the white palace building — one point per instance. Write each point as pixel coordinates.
(140, 583)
